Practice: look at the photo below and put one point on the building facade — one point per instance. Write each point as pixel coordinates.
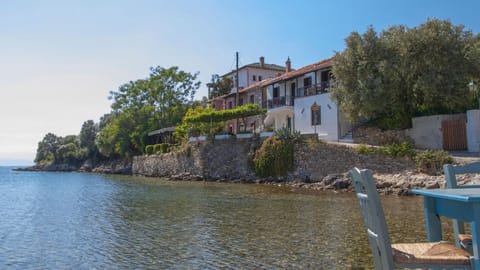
(295, 99)
(300, 100)
(248, 76)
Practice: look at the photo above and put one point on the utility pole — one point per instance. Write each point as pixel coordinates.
(236, 80)
(237, 98)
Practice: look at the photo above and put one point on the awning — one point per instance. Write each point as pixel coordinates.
(162, 130)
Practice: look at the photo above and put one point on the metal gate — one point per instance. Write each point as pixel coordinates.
(454, 135)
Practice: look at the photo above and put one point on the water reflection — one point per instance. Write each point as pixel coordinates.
(85, 221)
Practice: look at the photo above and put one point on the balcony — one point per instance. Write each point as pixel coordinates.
(277, 102)
(316, 89)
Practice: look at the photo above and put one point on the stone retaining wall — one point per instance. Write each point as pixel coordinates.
(376, 136)
(229, 160)
(220, 159)
(315, 161)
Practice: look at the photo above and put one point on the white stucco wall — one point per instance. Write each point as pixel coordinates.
(245, 76)
(260, 72)
(473, 130)
(307, 75)
(280, 118)
(328, 130)
(426, 131)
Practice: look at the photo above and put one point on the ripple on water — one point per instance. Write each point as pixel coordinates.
(88, 221)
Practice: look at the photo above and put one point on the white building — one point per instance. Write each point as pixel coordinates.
(299, 100)
(253, 73)
(248, 76)
(296, 99)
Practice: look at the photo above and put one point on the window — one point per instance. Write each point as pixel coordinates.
(254, 77)
(324, 76)
(230, 105)
(276, 92)
(259, 78)
(307, 82)
(252, 98)
(316, 114)
(240, 102)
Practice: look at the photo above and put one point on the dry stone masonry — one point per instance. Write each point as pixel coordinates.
(318, 166)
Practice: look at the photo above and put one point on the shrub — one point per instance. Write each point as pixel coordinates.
(157, 149)
(404, 149)
(165, 147)
(285, 134)
(431, 161)
(274, 158)
(364, 149)
(184, 149)
(149, 149)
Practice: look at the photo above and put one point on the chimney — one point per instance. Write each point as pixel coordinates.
(288, 65)
(262, 61)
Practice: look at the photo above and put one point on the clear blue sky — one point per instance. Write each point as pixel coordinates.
(60, 59)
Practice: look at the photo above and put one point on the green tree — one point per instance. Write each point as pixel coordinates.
(404, 72)
(47, 149)
(144, 105)
(69, 151)
(219, 86)
(60, 150)
(87, 137)
(106, 140)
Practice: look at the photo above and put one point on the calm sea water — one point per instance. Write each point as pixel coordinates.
(89, 221)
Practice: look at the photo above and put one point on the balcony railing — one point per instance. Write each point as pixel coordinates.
(316, 89)
(277, 102)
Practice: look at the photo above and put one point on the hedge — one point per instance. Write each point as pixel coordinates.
(224, 115)
(159, 148)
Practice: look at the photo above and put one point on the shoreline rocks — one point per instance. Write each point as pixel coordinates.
(317, 166)
(107, 167)
(387, 184)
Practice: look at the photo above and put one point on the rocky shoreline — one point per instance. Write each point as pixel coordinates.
(107, 167)
(400, 182)
(317, 166)
(388, 184)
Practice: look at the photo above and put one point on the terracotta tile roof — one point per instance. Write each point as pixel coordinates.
(306, 69)
(221, 97)
(292, 74)
(258, 84)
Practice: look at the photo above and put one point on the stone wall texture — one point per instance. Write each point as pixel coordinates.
(315, 161)
(376, 136)
(229, 160)
(220, 159)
